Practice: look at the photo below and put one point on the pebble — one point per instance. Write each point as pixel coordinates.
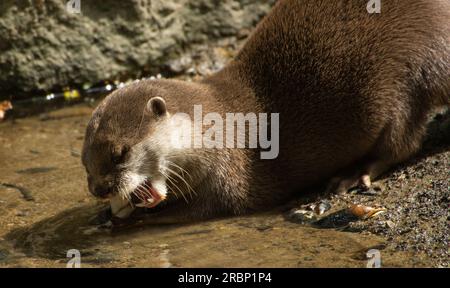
(302, 216)
(390, 224)
(401, 177)
(22, 213)
(75, 153)
(321, 207)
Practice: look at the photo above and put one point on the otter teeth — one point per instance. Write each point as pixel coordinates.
(147, 195)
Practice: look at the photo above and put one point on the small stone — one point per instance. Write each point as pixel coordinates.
(75, 153)
(22, 213)
(390, 224)
(322, 207)
(302, 216)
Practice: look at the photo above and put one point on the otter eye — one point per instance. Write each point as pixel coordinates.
(119, 154)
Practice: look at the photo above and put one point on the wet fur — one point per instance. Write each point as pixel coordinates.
(351, 88)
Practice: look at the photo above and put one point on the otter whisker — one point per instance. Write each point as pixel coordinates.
(124, 193)
(176, 186)
(173, 182)
(170, 179)
(167, 177)
(141, 193)
(181, 169)
(182, 179)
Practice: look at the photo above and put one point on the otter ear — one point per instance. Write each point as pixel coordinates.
(157, 106)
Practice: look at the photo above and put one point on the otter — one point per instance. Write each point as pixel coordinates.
(353, 91)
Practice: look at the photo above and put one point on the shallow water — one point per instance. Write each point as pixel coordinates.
(46, 209)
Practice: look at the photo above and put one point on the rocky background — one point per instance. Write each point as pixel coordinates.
(44, 47)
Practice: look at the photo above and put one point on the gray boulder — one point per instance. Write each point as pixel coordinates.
(45, 47)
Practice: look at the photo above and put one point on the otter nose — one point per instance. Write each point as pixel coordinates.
(102, 191)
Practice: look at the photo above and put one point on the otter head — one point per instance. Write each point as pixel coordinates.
(127, 145)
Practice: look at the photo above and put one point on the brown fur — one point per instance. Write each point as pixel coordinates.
(353, 91)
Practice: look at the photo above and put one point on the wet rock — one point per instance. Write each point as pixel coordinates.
(321, 207)
(339, 219)
(417, 204)
(108, 39)
(302, 216)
